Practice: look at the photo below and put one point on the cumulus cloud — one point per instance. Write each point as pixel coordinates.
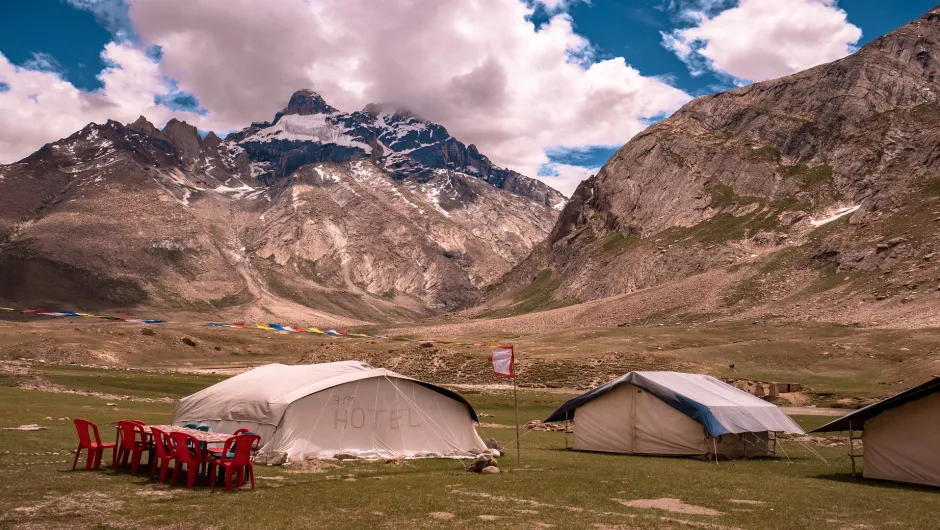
(565, 177)
(556, 6)
(42, 62)
(758, 40)
(38, 106)
(479, 67)
(487, 74)
(111, 14)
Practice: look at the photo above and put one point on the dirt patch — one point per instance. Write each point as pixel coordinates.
(159, 493)
(91, 503)
(813, 411)
(442, 516)
(313, 465)
(459, 365)
(44, 386)
(668, 504)
(746, 501)
(537, 425)
(795, 399)
(31, 427)
(828, 441)
(489, 517)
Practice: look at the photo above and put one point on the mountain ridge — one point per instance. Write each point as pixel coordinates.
(809, 191)
(317, 225)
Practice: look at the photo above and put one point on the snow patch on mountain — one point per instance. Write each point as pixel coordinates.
(321, 128)
(842, 212)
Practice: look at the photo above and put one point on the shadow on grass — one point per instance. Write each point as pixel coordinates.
(847, 478)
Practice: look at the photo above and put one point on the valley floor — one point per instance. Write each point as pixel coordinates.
(54, 370)
(807, 486)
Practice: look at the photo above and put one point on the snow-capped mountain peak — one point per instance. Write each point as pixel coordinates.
(309, 130)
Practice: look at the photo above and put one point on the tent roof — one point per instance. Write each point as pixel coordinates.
(718, 406)
(264, 393)
(859, 417)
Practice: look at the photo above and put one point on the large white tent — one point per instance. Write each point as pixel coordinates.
(348, 407)
(901, 435)
(673, 413)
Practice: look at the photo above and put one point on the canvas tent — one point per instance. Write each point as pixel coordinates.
(322, 410)
(901, 435)
(673, 413)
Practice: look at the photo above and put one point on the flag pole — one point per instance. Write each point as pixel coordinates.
(515, 397)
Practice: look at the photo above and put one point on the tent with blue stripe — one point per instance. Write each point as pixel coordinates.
(674, 413)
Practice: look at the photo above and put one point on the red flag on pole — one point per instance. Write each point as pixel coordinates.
(504, 361)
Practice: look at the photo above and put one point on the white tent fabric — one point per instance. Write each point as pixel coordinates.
(670, 413)
(720, 407)
(901, 444)
(322, 410)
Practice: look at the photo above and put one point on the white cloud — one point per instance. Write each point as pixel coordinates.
(42, 62)
(555, 6)
(40, 107)
(112, 14)
(764, 39)
(565, 177)
(487, 74)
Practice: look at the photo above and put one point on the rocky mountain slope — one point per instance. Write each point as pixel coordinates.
(813, 196)
(319, 215)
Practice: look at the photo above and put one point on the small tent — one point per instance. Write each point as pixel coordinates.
(348, 407)
(900, 434)
(675, 414)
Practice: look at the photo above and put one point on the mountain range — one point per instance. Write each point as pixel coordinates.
(318, 214)
(813, 197)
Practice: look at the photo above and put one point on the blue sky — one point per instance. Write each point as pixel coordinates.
(631, 29)
(81, 43)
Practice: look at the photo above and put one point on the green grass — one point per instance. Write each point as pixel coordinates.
(762, 154)
(808, 176)
(567, 489)
(538, 295)
(722, 195)
(932, 187)
(726, 227)
(136, 383)
(617, 242)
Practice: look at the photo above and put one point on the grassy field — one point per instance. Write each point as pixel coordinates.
(552, 488)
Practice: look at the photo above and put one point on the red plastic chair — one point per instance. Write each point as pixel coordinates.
(164, 451)
(218, 450)
(238, 463)
(132, 442)
(187, 452)
(95, 448)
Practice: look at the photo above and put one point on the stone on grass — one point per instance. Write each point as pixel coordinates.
(493, 443)
(483, 461)
(489, 470)
(270, 458)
